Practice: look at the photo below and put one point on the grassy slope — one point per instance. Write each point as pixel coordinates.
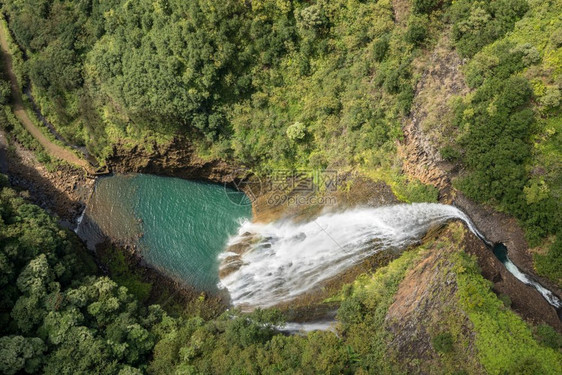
(505, 342)
(474, 318)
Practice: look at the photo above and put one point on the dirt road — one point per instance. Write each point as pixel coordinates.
(52, 149)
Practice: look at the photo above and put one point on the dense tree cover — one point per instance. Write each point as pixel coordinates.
(57, 317)
(497, 123)
(234, 75)
(478, 23)
(508, 129)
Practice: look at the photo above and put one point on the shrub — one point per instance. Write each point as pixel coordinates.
(312, 17)
(556, 38)
(476, 24)
(417, 30)
(551, 98)
(505, 299)
(416, 191)
(380, 46)
(443, 342)
(530, 54)
(449, 153)
(392, 82)
(351, 311)
(426, 6)
(549, 337)
(5, 92)
(527, 366)
(4, 180)
(550, 264)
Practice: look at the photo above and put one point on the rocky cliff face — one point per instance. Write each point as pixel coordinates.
(61, 191)
(427, 305)
(442, 79)
(177, 159)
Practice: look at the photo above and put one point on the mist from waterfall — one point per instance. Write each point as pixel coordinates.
(284, 259)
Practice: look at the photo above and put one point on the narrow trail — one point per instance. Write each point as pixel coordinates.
(18, 108)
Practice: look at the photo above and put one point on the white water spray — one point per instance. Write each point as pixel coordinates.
(283, 260)
(303, 328)
(79, 220)
(524, 278)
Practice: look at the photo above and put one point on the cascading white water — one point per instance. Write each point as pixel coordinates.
(501, 253)
(286, 259)
(303, 328)
(547, 294)
(283, 260)
(79, 220)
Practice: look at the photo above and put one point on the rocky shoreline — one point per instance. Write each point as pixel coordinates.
(165, 290)
(61, 189)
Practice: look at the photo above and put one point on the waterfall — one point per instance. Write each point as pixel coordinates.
(79, 220)
(266, 264)
(283, 260)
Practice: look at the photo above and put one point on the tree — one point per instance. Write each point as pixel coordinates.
(476, 24)
(426, 6)
(19, 353)
(296, 132)
(5, 92)
(443, 342)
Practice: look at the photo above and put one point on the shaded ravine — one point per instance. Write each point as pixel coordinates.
(500, 251)
(267, 264)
